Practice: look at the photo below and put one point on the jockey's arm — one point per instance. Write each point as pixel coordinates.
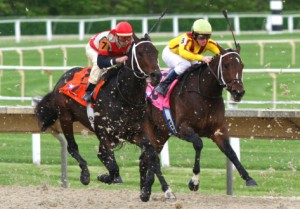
(105, 61)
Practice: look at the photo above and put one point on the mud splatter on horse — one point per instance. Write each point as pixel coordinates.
(119, 115)
(197, 108)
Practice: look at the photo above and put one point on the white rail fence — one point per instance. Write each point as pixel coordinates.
(64, 48)
(266, 25)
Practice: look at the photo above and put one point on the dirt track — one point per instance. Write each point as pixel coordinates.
(15, 197)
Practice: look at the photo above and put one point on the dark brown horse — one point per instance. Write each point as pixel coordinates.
(119, 115)
(197, 108)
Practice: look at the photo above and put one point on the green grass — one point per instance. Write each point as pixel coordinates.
(273, 164)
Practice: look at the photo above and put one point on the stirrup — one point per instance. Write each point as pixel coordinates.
(87, 97)
(161, 90)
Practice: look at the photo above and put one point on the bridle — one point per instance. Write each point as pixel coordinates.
(134, 60)
(219, 76)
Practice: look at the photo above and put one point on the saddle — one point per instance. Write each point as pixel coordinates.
(75, 88)
(163, 103)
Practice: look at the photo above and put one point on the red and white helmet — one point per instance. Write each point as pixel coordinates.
(124, 29)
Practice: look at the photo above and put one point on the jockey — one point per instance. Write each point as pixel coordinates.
(186, 50)
(106, 49)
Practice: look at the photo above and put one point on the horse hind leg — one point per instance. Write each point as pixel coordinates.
(73, 150)
(225, 147)
(164, 185)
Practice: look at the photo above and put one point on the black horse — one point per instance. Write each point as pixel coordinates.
(119, 115)
(197, 107)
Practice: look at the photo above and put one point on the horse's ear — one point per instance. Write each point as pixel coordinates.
(223, 51)
(238, 48)
(135, 38)
(147, 37)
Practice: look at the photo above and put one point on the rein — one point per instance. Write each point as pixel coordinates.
(144, 75)
(134, 58)
(219, 76)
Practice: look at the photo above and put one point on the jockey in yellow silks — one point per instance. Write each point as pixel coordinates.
(185, 50)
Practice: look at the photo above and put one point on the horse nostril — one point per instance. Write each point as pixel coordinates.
(237, 93)
(243, 93)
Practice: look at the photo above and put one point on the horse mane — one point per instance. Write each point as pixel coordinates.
(194, 68)
(112, 72)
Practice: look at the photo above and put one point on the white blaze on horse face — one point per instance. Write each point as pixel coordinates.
(237, 74)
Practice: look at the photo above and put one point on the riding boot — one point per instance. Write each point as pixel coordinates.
(163, 87)
(88, 92)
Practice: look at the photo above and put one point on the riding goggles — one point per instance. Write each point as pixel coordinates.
(124, 38)
(203, 36)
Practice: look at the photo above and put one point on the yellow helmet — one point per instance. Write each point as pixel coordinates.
(201, 29)
(201, 26)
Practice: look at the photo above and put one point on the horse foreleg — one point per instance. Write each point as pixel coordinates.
(189, 135)
(107, 157)
(224, 145)
(158, 145)
(148, 165)
(73, 150)
(164, 185)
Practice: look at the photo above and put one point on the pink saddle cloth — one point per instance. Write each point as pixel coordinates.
(157, 99)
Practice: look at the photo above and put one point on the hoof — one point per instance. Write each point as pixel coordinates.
(117, 180)
(192, 186)
(169, 194)
(105, 178)
(145, 194)
(85, 178)
(251, 183)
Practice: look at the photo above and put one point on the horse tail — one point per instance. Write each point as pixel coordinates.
(45, 112)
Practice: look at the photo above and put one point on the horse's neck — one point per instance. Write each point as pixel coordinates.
(131, 86)
(212, 75)
(205, 81)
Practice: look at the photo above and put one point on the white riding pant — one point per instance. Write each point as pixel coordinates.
(175, 61)
(96, 72)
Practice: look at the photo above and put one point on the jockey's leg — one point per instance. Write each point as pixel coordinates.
(89, 92)
(94, 76)
(178, 65)
(163, 87)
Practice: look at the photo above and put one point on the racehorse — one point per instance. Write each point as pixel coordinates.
(197, 109)
(119, 109)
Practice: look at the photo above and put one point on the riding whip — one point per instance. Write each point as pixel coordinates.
(162, 14)
(230, 28)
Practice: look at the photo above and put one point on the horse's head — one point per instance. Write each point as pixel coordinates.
(230, 70)
(144, 59)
